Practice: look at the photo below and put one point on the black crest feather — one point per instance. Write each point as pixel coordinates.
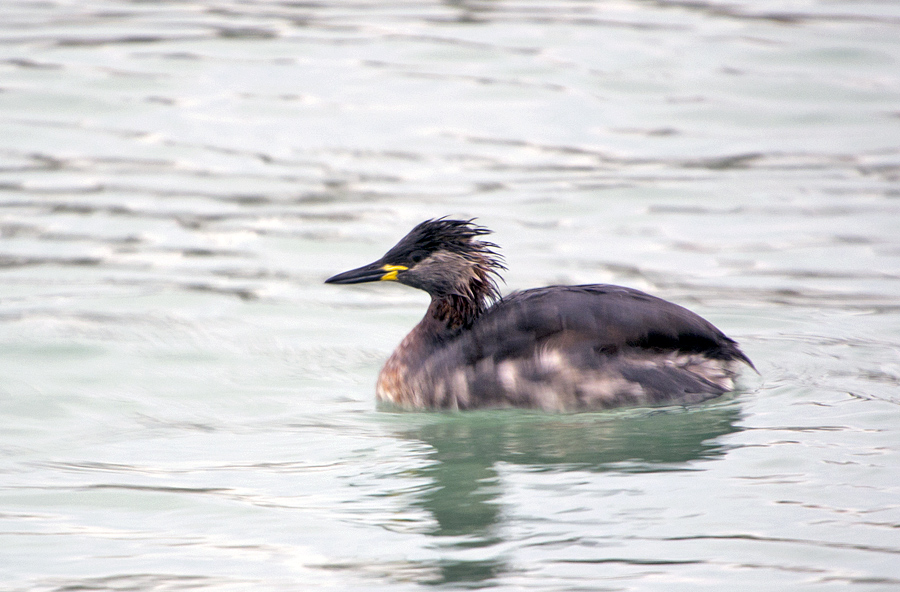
(456, 236)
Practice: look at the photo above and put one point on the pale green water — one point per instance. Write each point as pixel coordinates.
(185, 405)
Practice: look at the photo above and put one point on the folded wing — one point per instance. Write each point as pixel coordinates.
(578, 347)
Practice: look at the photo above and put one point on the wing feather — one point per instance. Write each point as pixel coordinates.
(568, 347)
(610, 318)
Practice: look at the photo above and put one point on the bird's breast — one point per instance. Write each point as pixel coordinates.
(391, 386)
(394, 384)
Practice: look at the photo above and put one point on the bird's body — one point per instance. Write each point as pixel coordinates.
(560, 348)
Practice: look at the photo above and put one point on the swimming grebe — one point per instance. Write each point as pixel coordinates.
(559, 348)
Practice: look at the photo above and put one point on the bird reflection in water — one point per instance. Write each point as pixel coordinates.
(465, 488)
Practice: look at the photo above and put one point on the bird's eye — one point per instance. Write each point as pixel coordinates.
(417, 255)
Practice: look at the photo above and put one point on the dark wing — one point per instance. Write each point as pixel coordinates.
(577, 347)
(610, 318)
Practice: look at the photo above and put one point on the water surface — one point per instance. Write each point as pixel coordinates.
(186, 406)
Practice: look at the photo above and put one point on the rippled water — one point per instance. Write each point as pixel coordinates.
(186, 406)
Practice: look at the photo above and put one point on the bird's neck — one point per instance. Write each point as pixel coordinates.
(448, 315)
(446, 318)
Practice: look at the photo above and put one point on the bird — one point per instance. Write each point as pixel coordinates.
(560, 348)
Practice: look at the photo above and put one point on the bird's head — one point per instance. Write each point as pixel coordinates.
(443, 257)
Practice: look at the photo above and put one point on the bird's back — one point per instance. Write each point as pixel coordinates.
(571, 348)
